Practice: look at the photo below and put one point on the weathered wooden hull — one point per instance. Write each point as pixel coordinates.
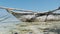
(37, 19)
(29, 16)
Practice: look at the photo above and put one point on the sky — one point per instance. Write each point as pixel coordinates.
(35, 5)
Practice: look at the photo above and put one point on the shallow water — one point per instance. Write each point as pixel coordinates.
(32, 27)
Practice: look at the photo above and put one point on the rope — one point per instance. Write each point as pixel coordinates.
(4, 18)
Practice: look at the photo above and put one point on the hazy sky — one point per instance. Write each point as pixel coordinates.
(35, 5)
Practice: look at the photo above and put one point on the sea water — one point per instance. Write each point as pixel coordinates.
(30, 27)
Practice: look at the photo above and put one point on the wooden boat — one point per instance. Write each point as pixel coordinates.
(30, 16)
